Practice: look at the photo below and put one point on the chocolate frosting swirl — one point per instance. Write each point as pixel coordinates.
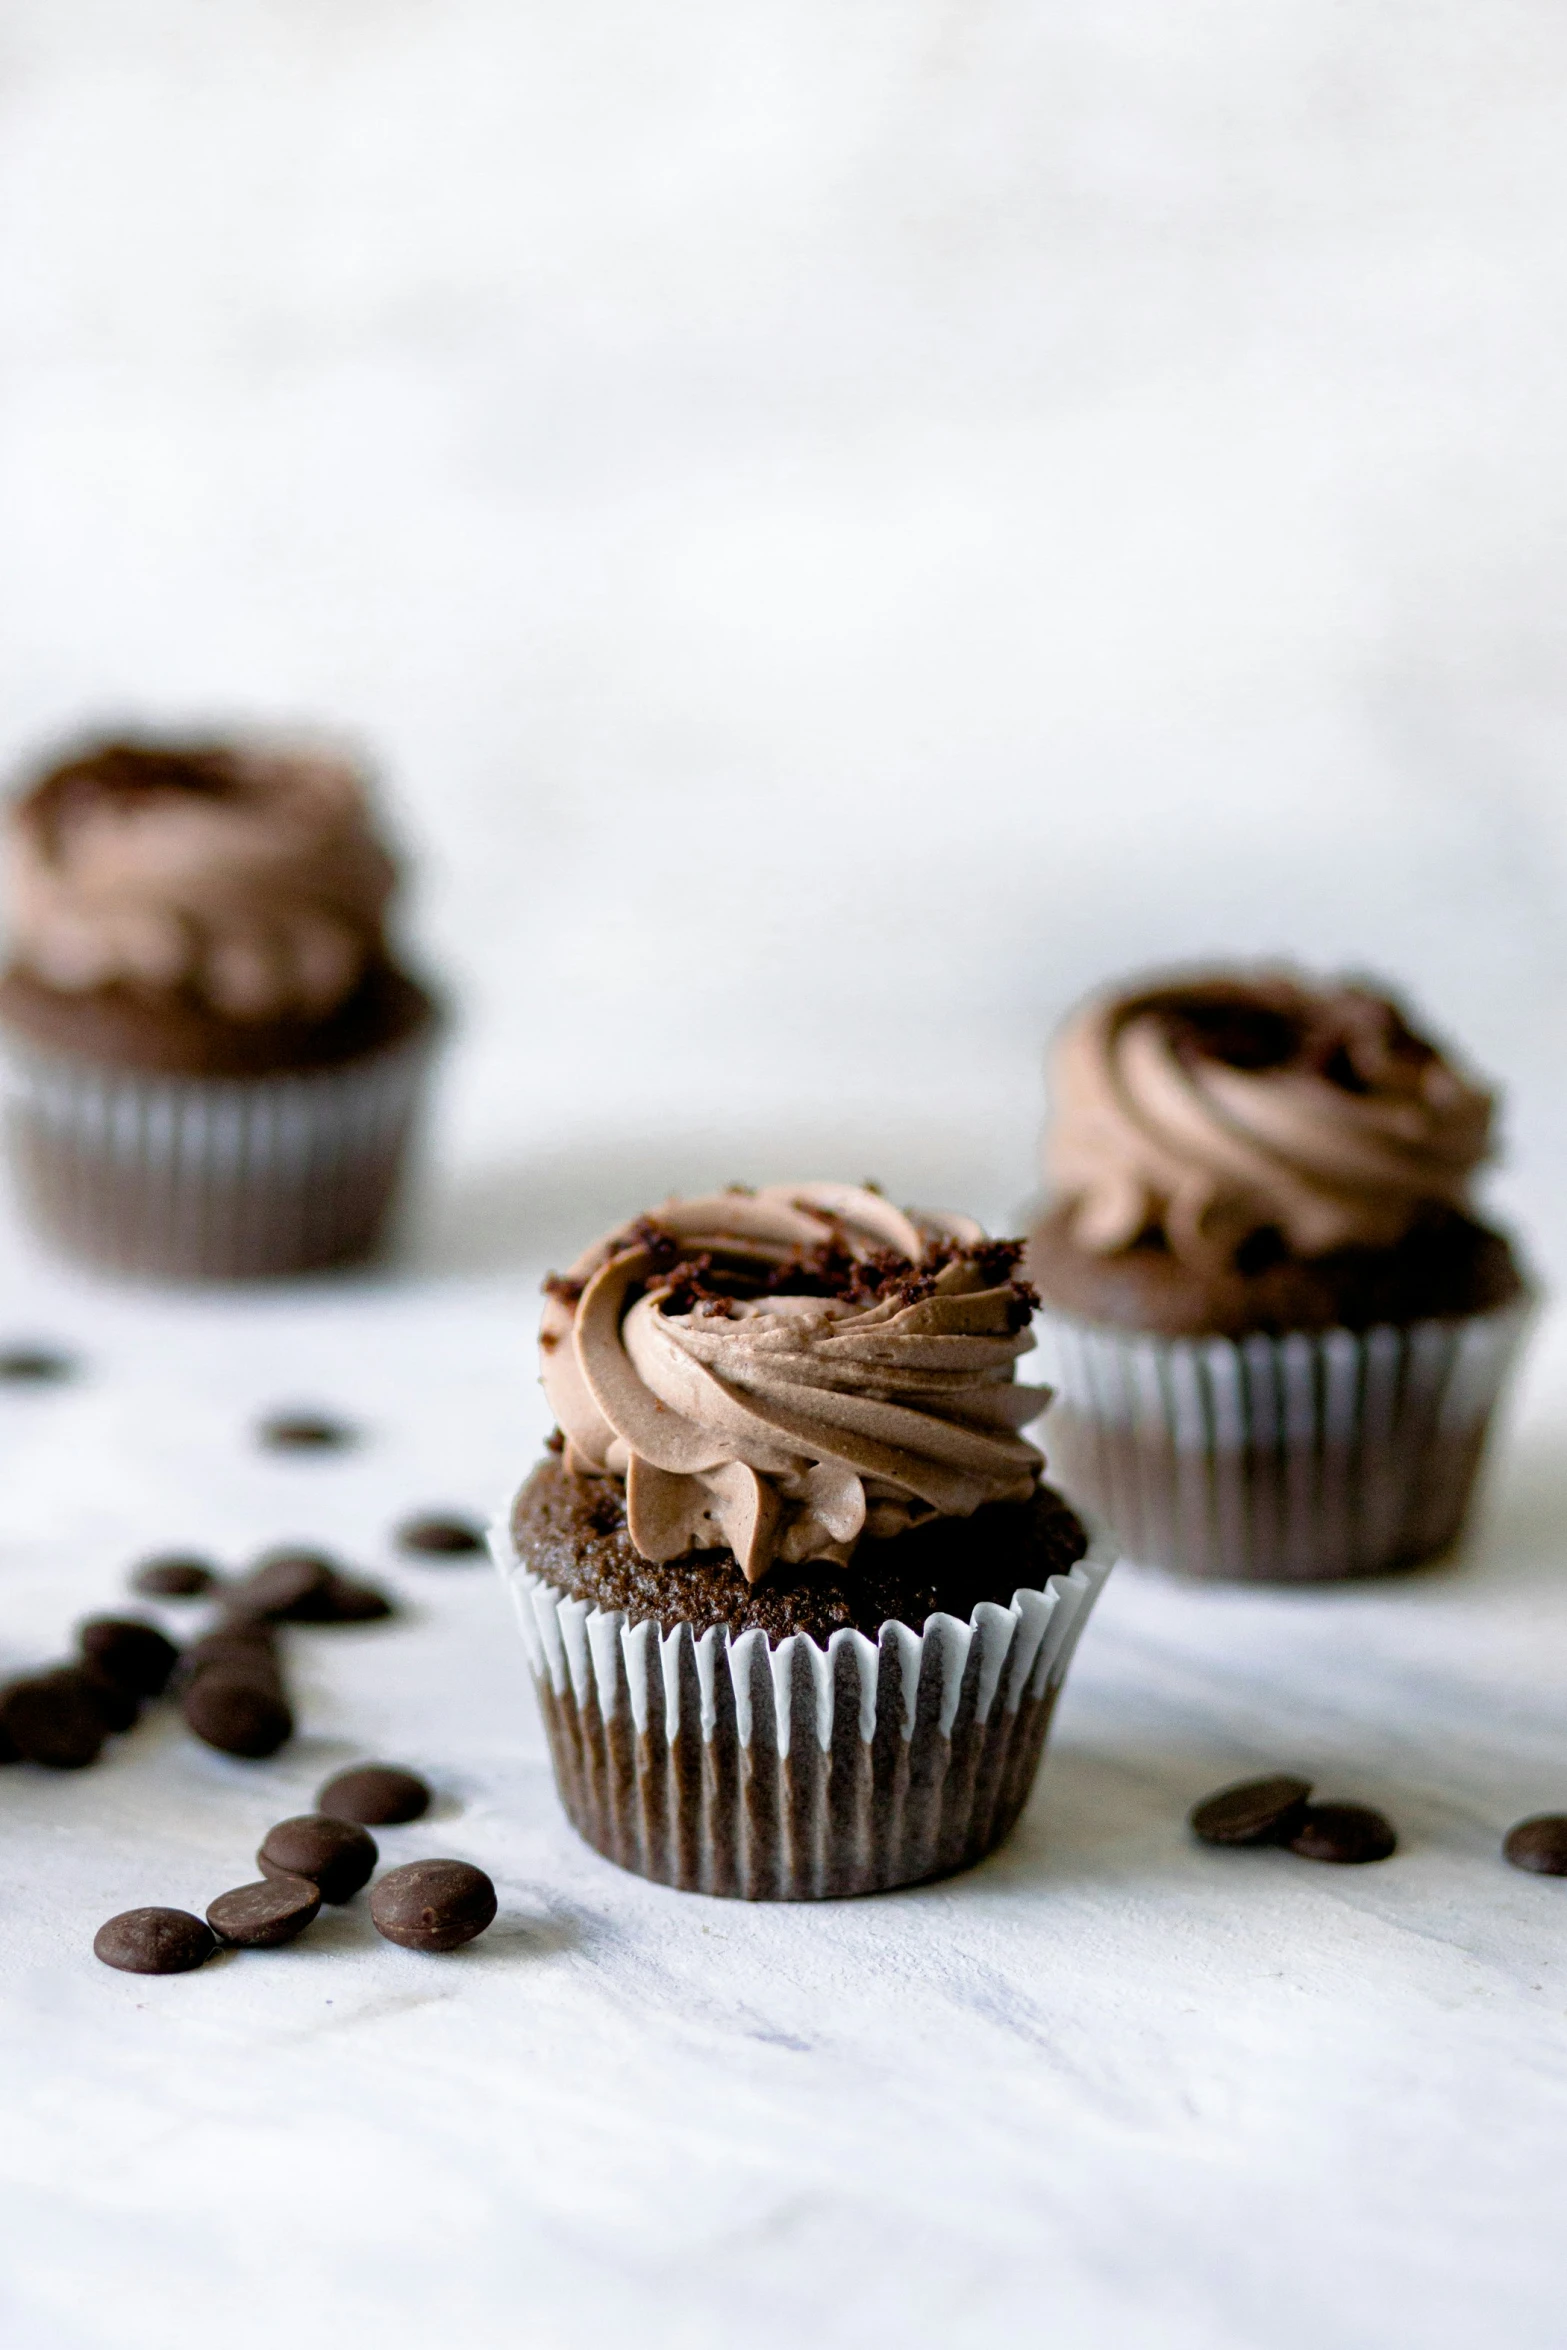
(1215, 1107)
(784, 1371)
(249, 877)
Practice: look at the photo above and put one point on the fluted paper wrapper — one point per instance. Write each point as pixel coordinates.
(1299, 1459)
(798, 1773)
(212, 1178)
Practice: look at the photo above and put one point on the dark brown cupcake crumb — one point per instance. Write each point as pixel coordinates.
(572, 1532)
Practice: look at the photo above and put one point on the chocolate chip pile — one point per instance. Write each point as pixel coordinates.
(326, 1855)
(1279, 1810)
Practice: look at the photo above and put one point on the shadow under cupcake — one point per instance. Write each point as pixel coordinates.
(1277, 1330)
(797, 1604)
(213, 1061)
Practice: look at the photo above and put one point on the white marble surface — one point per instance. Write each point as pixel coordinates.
(843, 525)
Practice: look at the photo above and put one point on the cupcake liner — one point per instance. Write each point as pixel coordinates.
(798, 1773)
(212, 1178)
(1299, 1459)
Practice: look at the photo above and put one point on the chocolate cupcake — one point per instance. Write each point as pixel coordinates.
(1277, 1327)
(213, 1059)
(797, 1604)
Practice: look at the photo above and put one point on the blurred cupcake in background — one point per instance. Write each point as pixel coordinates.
(213, 1059)
(1276, 1326)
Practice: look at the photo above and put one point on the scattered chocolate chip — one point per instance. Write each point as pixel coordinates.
(305, 1432)
(56, 1718)
(283, 1584)
(442, 1538)
(260, 1917)
(246, 1642)
(334, 1854)
(174, 1577)
(134, 1655)
(433, 1904)
(1349, 1833)
(35, 1366)
(154, 1942)
(120, 1707)
(1256, 1811)
(306, 1587)
(1539, 1844)
(350, 1600)
(238, 1712)
(375, 1795)
(10, 1752)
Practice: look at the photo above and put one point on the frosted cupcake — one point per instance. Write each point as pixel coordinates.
(1277, 1325)
(797, 1602)
(213, 1058)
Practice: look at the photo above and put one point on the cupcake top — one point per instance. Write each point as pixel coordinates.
(1220, 1113)
(785, 1371)
(248, 880)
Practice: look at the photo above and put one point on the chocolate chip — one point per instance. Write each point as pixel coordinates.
(436, 1537)
(260, 1917)
(56, 1719)
(247, 1642)
(134, 1655)
(237, 1713)
(433, 1904)
(154, 1942)
(307, 1587)
(1255, 1811)
(120, 1707)
(283, 1584)
(1539, 1844)
(305, 1432)
(334, 1854)
(174, 1577)
(376, 1795)
(34, 1366)
(1349, 1833)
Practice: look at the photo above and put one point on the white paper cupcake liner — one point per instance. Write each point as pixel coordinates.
(798, 1773)
(1281, 1460)
(212, 1178)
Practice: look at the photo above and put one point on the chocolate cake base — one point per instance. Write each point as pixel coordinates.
(1447, 1265)
(1301, 1459)
(808, 1766)
(191, 1178)
(572, 1532)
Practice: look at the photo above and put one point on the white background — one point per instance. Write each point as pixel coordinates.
(840, 525)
